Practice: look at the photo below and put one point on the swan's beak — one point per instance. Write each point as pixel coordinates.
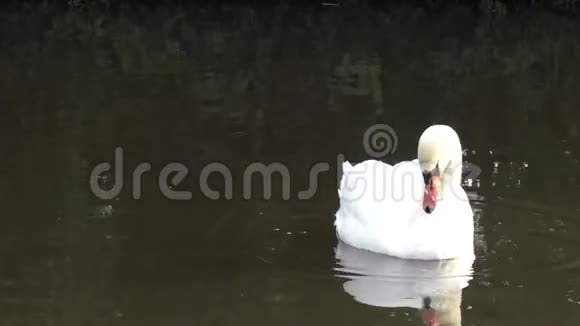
(432, 185)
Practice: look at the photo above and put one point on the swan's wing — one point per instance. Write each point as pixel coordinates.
(360, 181)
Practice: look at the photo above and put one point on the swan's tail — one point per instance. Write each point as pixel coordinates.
(346, 168)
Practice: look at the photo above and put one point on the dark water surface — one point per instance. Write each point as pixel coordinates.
(290, 85)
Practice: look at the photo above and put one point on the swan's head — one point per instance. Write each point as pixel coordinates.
(439, 154)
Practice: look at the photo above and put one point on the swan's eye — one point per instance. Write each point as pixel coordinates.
(427, 177)
(435, 171)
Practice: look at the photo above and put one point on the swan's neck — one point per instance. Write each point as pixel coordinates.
(451, 179)
(453, 176)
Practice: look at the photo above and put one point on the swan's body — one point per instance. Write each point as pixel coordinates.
(381, 205)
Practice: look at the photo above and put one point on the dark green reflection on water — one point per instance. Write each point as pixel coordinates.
(236, 85)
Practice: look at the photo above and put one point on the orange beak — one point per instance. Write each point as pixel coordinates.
(432, 185)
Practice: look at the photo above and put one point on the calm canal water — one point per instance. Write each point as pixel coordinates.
(295, 86)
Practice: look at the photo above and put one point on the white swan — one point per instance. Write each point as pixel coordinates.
(434, 287)
(412, 210)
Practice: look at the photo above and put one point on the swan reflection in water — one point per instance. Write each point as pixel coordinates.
(433, 287)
